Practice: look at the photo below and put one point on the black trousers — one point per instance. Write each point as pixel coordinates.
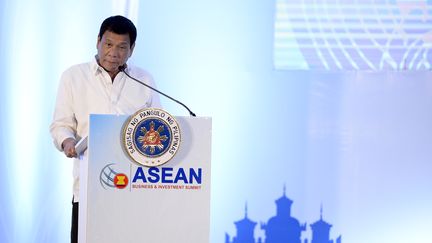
(74, 228)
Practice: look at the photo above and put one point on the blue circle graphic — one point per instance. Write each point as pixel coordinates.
(152, 137)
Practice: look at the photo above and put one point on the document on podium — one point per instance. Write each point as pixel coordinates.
(81, 146)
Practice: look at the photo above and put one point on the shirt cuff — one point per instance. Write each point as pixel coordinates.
(60, 138)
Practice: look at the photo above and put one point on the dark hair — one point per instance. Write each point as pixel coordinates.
(119, 25)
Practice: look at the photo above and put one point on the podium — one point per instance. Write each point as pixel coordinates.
(123, 201)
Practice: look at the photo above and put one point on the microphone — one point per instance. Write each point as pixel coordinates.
(123, 69)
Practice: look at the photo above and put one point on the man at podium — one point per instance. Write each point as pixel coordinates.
(98, 87)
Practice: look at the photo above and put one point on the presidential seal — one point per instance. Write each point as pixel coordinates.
(151, 137)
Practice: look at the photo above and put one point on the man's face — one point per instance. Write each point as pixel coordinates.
(113, 50)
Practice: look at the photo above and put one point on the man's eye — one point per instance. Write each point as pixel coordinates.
(108, 44)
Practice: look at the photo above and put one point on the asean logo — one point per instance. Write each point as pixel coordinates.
(109, 178)
(151, 137)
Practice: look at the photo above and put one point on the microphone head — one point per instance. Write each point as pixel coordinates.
(122, 67)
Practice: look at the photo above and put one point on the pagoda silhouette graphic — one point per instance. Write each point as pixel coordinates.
(281, 228)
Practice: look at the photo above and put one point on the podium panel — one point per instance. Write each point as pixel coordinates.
(123, 201)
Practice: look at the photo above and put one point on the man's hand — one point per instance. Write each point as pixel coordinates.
(69, 147)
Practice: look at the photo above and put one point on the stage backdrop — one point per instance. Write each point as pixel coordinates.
(319, 147)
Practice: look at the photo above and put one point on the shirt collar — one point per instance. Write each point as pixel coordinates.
(95, 66)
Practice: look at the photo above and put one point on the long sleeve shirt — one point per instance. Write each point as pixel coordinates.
(86, 89)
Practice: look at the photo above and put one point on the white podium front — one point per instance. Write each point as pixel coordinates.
(123, 201)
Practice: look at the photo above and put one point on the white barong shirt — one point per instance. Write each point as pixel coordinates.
(86, 89)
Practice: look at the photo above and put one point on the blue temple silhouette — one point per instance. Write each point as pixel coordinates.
(281, 228)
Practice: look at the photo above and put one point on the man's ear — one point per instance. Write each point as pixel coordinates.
(97, 42)
(131, 49)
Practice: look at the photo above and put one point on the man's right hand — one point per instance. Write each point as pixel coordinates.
(69, 147)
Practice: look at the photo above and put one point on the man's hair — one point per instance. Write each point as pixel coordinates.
(119, 25)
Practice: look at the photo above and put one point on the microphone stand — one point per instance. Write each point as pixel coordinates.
(122, 69)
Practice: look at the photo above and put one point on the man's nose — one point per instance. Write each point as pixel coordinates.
(115, 51)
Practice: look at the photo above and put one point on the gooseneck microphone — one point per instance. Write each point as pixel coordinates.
(123, 69)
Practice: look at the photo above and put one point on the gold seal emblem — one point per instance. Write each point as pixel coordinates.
(151, 137)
